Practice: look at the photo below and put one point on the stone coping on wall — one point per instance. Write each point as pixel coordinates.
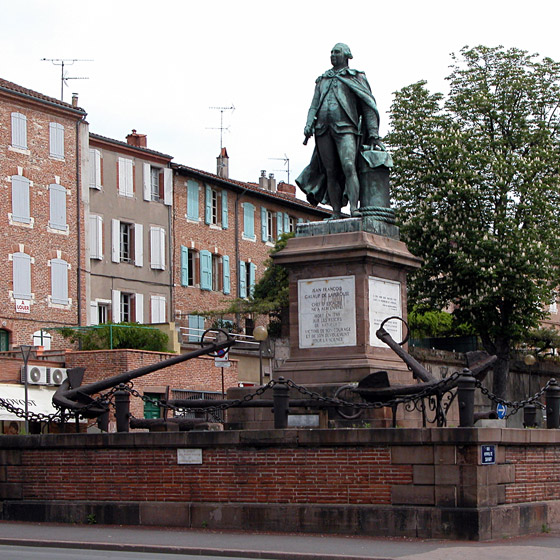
(290, 438)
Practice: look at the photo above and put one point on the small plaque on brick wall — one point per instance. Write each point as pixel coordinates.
(488, 454)
(189, 456)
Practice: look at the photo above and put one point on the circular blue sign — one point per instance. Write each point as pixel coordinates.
(501, 410)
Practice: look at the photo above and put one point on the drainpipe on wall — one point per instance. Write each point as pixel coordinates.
(79, 236)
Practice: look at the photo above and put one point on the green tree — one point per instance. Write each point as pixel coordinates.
(476, 182)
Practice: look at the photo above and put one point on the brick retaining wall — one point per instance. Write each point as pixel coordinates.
(414, 482)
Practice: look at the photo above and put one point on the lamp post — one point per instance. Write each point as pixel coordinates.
(25, 350)
(261, 334)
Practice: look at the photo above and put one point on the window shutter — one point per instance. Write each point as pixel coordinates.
(196, 327)
(249, 220)
(252, 270)
(225, 224)
(205, 270)
(279, 224)
(184, 266)
(138, 245)
(138, 308)
(286, 223)
(264, 224)
(227, 276)
(116, 305)
(126, 187)
(20, 199)
(57, 196)
(157, 304)
(300, 220)
(94, 169)
(93, 313)
(59, 281)
(147, 181)
(192, 200)
(56, 137)
(168, 186)
(157, 246)
(95, 237)
(242, 279)
(208, 206)
(21, 275)
(19, 131)
(115, 241)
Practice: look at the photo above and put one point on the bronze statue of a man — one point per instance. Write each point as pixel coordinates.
(343, 116)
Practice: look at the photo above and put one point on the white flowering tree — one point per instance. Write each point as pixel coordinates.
(477, 187)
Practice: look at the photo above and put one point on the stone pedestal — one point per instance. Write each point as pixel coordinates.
(342, 285)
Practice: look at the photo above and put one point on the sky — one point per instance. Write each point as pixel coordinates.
(160, 67)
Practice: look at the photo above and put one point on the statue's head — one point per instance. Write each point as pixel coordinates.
(340, 54)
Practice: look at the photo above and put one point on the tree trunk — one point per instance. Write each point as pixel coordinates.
(501, 349)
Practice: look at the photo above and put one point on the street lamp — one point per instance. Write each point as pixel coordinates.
(25, 350)
(261, 334)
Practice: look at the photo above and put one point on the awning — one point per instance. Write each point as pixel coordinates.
(39, 400)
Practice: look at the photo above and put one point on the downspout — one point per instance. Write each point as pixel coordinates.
(170, 210)
(78, 209)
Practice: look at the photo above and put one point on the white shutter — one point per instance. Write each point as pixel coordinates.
(93, 313)
(168, 186)
(116, 305)
(115, 241)
(157, 304)
(56, 136)
(20, 199)
(19, 131)
(138, 244)
(57, 198)
(59, 281)
(126, 188)
(95, 237)
(21, 275)
(147, 178)
(139, 307)
(157, 248)
(94, 169)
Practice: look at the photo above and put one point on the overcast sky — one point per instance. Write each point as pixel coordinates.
(159, 65)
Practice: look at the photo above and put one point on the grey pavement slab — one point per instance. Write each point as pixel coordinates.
(274, 545)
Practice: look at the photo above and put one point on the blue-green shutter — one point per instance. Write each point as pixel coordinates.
(279, 224)
(196, 327)
(249, 220)
(224, 210)
(184, 266)
(192, 200)
(227, 275)
(208, 206)
(286, 223)
(205, 270)
(252, 270)
(264, 225)
(242, 279)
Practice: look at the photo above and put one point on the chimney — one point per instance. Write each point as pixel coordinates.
(271, 182)
(223, 164)
(263, 181)
(286, 188)
(74, 100)
(138, 140)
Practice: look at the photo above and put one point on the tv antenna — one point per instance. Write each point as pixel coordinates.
(62, 62)
(221, 128)
(286, 161)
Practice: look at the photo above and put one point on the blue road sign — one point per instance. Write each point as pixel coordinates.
(488, 454)
(501, 410)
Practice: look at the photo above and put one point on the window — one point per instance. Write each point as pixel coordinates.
(94, 169)
(102, 313)
(125, 308)
(192, 200)
(126, 177)
(250, 270)
(157, 305)
(188, 264)
(291, 224)
(127, 242)
(157, 248)
(248, 221)
(21, 276)
(95, 237)
(267, 225)
(19, 131)
(42, 338)
(196, 328)
(59, 282)
(20, 199)
(57, 195)
(158, 184)
(242, 279)
(56, 136)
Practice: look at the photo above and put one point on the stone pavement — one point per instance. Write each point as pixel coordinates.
(545, 546)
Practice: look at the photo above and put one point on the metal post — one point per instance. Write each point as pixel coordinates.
(553, 405)
(465, 394)
(103, 420)
(122, 409)
(529, 416)
(281, 400)
(25, 350)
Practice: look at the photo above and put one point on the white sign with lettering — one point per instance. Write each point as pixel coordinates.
(327, 312)
(23, 306)
(384, 301)
(189, 456)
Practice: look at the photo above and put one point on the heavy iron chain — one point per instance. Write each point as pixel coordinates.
(33, 416)
(515, 405)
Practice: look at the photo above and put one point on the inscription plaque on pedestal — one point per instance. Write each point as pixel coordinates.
(327, 312)
(384, 301)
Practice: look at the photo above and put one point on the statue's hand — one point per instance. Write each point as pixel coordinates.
(308, 131)
(376, 144)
